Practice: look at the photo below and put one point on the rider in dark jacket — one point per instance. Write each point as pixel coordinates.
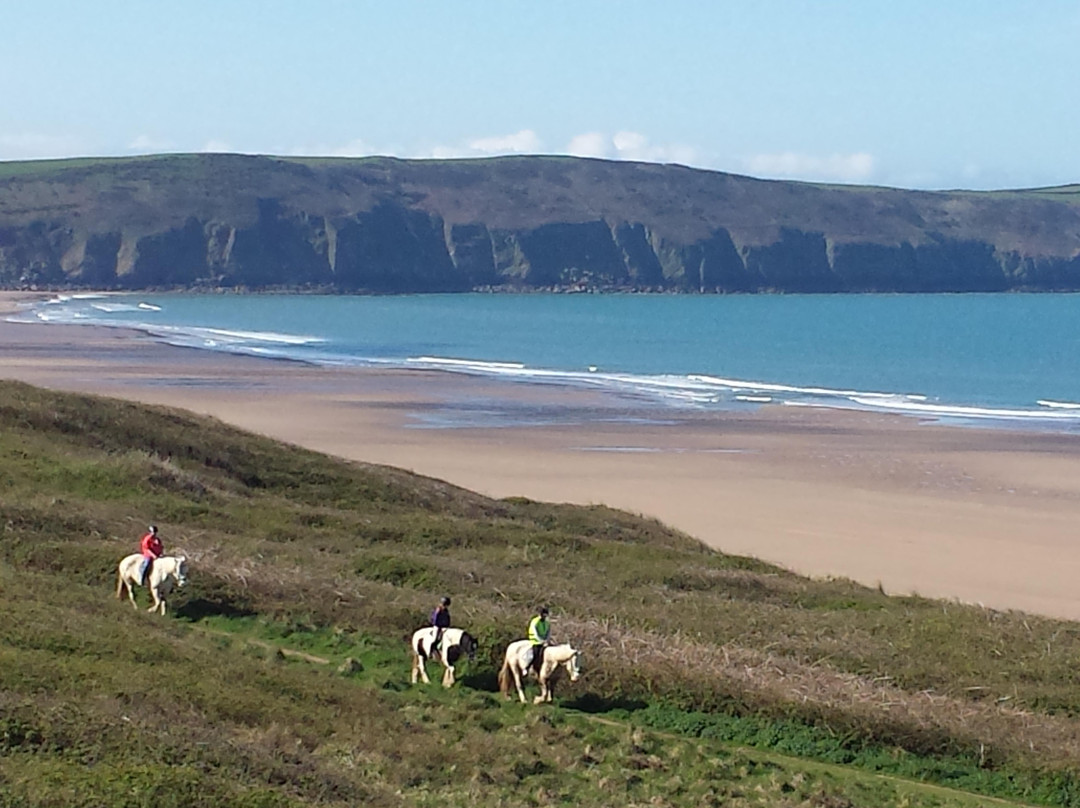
(440, 618)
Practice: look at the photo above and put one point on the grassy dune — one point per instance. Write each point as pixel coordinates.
(711, 679)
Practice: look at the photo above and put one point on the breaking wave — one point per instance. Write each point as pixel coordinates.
(700, 391)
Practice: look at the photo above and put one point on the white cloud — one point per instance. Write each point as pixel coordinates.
(36, 146)
(525, 141)
(623, 145)
(149, 144)
(626, 145)
(635, 146)
(215, 146)
(857, 167)
(630, 143)
(590, 144)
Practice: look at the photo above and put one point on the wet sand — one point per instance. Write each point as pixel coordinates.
(981, 515)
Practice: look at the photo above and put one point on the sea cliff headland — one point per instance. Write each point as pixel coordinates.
(384, 225)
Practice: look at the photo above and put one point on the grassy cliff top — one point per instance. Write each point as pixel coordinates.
(711, 679)
(153, 193)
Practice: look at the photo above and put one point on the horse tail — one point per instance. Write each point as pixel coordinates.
(504, 676)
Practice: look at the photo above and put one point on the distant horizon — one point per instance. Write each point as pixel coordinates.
(477, 158)
(921, 95)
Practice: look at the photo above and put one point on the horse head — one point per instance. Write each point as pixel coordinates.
(181, 570)
(573, 665)
(469, 645)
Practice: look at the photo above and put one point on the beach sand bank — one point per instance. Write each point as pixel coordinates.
(981, 515)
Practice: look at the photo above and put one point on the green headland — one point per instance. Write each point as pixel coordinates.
(384, 225)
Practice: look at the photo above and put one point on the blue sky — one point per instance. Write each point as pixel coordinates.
(914, 94)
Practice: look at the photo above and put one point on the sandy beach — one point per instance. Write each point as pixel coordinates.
(980, 515)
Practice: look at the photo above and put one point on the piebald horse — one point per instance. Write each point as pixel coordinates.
(454, 643)
(164, 572)
(518, 663)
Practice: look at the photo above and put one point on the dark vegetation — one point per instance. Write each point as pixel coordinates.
(382, 225)
(710, 679)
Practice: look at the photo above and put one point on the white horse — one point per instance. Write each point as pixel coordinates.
(163, 573)
(454, 643)
(518, 663)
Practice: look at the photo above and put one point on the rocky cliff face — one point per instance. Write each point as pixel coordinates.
(382, 225)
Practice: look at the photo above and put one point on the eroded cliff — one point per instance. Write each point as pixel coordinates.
(385, 225)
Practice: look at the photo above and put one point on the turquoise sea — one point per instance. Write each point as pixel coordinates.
(991, 360)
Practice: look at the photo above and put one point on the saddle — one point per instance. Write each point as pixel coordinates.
(434, 651)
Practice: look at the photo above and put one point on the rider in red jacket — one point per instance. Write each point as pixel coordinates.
(151, 549)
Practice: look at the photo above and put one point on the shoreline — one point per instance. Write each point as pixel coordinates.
(981, 515)
(1009, 408)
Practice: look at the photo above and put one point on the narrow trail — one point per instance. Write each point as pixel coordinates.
(292, 653)
(760, 755)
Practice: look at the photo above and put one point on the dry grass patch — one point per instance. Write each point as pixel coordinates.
(673, 662)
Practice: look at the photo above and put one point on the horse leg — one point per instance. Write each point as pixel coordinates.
(415, 667)
(131, 592)
(517, 681)
(448, 676)
(423, 669)
(156, 600)
(547, 683)
(543, 690)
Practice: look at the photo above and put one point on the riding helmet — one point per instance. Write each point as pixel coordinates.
(543, 611)
(445, 601)
(153, 528)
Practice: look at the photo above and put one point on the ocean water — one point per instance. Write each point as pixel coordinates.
(988, 360)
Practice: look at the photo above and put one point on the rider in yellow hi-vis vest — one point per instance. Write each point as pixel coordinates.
(539, 632)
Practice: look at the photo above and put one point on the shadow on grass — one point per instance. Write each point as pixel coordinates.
(486, 680)
(198, 609)
(595, 703)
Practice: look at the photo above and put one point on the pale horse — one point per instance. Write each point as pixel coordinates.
(165, 571)
(454, 643)
(518, 663)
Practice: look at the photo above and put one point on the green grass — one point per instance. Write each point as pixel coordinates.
(181, 731)
(710, 678)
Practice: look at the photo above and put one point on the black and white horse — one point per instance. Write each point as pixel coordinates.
(454, 644)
